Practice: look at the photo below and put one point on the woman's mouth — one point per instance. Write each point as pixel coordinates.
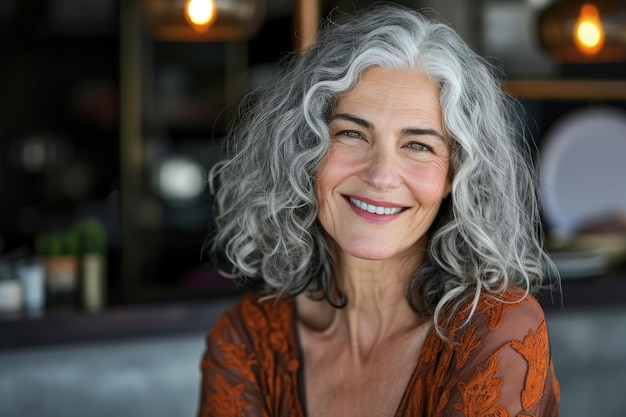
(371, 208)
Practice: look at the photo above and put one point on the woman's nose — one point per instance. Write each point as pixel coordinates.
(381, 170)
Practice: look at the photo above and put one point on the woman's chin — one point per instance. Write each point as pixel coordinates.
(374, 253)
(382, 251)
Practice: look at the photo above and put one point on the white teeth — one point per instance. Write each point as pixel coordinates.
(370, 208)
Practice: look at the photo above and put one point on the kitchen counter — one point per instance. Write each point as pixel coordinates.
(114, 323)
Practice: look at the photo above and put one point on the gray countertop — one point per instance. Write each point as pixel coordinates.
(116, 322)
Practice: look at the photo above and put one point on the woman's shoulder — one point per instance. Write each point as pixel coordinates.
(512, 302)
(259, 306)
(503, 354)
(509, 315)
(256, 314)
(250, 345)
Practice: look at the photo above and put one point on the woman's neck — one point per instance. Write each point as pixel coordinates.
(377, 309)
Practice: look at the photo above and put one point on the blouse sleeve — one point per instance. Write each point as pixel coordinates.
(503, 365)
(229, 385)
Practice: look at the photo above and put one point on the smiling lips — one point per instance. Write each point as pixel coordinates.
(370, 208)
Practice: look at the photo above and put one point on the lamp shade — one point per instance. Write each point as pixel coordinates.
(203, 20)
(578, 31)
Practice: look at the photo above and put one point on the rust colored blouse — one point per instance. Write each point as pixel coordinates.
(500, 365)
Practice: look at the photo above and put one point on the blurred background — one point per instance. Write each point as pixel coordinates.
(112, 112)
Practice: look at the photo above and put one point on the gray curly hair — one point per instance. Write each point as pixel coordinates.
(487, 234)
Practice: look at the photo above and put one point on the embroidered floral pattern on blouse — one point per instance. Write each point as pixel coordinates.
(238, 358)
(469, 341)
(226, 399)
(534, 349)
(481, 393)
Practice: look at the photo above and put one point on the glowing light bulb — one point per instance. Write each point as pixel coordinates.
(200, 13)
(588, 32)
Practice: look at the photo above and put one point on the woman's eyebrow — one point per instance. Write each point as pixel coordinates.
(407, 131)
(345, 116)
(420, 132)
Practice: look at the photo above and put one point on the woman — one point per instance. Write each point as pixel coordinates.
(378, 192)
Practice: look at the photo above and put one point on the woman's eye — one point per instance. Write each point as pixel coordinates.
(416, 146)
(350, 133)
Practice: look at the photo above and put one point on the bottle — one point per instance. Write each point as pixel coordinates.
(10, 290)
(31, 275)
(92, 239)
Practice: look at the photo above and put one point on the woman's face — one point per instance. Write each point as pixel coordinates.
(386, 174)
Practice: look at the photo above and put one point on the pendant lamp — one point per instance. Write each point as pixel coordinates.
(579, 31)
(203, 20)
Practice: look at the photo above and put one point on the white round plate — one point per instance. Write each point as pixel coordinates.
(583, 168)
